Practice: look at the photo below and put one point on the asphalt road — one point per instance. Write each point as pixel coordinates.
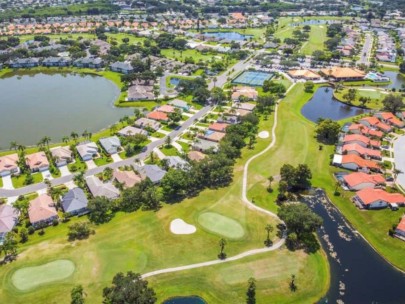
(366, 51)
(399, 157)
(125, 162)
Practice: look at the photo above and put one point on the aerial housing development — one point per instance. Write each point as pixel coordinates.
(202, 152)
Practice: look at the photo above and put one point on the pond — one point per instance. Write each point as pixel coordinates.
(233, 36)
(397, 80)
(185, 300)
(324, 105)
(358, 273)
(54, 105)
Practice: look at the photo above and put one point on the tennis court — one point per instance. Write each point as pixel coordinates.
(252, 78)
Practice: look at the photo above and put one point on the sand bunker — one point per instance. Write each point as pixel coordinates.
(178, 226)
(264, 134)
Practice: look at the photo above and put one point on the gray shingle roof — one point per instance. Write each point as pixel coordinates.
(74, 200)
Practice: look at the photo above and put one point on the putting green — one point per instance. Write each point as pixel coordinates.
(221, 225)
(28, 278)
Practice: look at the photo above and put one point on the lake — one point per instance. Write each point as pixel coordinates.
(358, 273)
(233, 36)
(185, 300)
(54, 105)
(397, 80)
(324, 105)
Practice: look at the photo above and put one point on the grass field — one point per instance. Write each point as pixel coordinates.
(221, 225)
(316, 40)
(145, 244)
(28, 278)
(376, 96)
(196, 55)
(18, 181)
(305, 149)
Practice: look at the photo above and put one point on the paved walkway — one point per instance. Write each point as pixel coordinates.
(249, 204)
(90, 164)
(47, 175)
(177, 146)
(159, 153)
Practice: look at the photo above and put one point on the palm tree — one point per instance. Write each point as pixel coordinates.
(396, 172)
(113, 128)
(21, 148)
(74, 136)
(215, 79)
(269, 228)
(85, 134)
(46, 140)
(65, 139)
(79, 179)
(222, 254)
(270, 179)
(13, 145)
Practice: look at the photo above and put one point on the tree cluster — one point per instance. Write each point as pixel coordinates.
(327, 131)
(301, 224)
(293, 179)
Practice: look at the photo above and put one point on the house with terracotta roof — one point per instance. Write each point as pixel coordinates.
(213, 136)
(304, 74)
(374, 122)
(166, 109)
(99, 189)
(364, 130)
(42, 211)
(389, 119)
(37, 162)
(218, 127)
(360, 180)
(343, 73)
(158, 116)
(361, 151)
(400, 230)
(360, 140)
(355, 163)
(377, 198)
(248, 92)
(8, 165)
(8, 219)
(127, 178)
(62, 155)
(196, 156)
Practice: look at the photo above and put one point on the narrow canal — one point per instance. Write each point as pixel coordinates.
(358, 273)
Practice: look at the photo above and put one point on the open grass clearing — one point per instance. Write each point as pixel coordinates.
(317, 37)
(19, 180)
(28, 278)
(226, 283)
(376, 97)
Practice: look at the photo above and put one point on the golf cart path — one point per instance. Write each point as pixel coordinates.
(249, 204)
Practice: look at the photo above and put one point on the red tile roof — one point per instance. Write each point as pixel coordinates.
(361, 150)
(370, 195)
(360, 162)
(375, 122)
(361, 138)
(401, 225)
(357, 178)
(218, 126)
(365, 130)
(157, 116)
(390, 118)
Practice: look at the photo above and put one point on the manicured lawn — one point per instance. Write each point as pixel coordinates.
(158, 135)
(169, 151)
(317, 37)
(373, 225)
(184, 146)
(77, 166)
(144, 238)
(221, 225)
(1, 182)
(28, 278)
(103, 160)
(376, 96)
(227, 283)
(18, 181)
(196, 55)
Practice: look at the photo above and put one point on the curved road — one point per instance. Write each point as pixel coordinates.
(249, 204)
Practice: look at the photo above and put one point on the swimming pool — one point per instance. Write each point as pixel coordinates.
(253, 78)
(376, 77)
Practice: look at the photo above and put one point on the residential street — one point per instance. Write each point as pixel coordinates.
(366, 51)
(125, 162)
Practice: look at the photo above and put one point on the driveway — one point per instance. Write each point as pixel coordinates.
(399, 158)
(90, 164)
(46, 174)
(7, 183)
(116, 158)
(64, 171)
